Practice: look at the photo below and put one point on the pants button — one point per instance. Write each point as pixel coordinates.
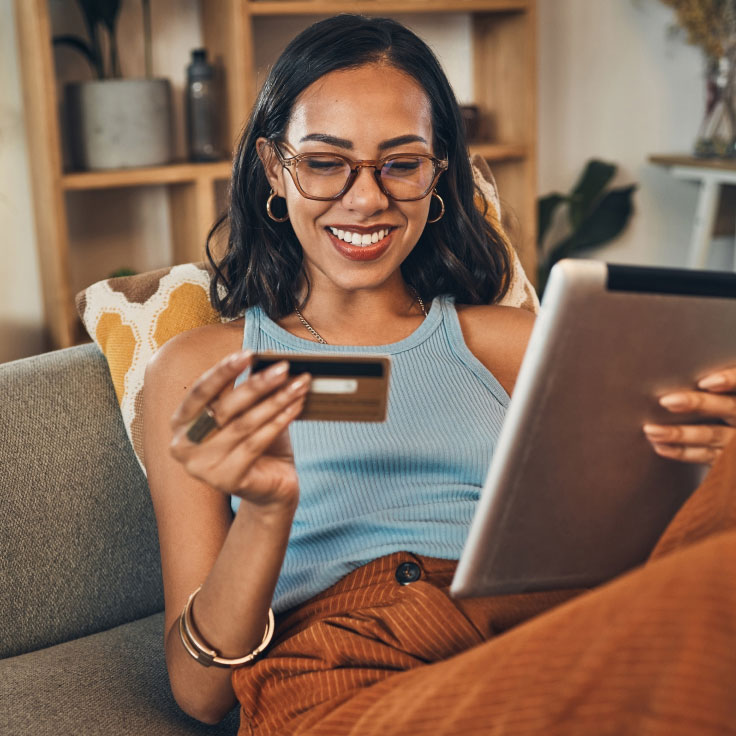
(408, 572)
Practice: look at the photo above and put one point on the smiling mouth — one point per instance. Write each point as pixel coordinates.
(351, 237)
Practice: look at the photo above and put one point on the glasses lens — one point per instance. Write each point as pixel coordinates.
(407, 177)
(322, 175)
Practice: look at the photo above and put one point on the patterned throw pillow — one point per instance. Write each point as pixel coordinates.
(131, 317)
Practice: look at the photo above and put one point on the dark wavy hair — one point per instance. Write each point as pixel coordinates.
(462, 255)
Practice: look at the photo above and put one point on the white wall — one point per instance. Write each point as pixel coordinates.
(612, 84)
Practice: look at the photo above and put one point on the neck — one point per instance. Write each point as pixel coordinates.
(358, 317)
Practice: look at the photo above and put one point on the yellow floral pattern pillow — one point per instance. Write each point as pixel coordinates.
(131, 317)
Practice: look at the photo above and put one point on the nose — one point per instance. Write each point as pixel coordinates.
(365, 196)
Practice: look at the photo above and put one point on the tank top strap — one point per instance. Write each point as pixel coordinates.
(252, 331)
(454, 334)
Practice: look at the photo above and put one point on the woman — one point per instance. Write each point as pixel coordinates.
(352, 229)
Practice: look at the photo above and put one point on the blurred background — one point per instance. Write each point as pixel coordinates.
(549, 87)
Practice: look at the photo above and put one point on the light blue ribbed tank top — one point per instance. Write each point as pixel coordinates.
(410, 483)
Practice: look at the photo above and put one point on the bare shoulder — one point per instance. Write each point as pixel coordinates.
(184, 357)
(498, 337)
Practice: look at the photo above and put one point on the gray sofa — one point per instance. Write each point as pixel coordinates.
(81, 628)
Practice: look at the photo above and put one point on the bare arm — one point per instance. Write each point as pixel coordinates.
(498, 337)
(237, 561)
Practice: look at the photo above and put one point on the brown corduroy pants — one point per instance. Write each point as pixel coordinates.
(652, 652)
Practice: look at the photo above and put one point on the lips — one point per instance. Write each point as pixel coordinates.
(361, 243)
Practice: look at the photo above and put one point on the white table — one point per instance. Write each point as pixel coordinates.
(710, 175)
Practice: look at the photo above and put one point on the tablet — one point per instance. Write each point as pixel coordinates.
(575, 495)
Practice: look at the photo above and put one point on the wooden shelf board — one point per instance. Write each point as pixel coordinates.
(499, 151)
(684, 159)
(147, 176)
(377, 7)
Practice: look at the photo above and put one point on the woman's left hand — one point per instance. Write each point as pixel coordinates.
(698, 443)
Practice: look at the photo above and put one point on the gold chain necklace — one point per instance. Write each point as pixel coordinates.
(321, 339)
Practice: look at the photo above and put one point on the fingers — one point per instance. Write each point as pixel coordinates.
(250, 392)
(716, 405)
(257, 442)
(701, 455)
(209, 386)
(247, 419)
(712, 435)
(722, 380)
(689, 443)
(234, 451)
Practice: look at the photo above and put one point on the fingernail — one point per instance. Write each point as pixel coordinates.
(238, 358)
(276, 370)
(656, 433)
(665, 450)
(717, 381)
(299, 383)
(674, 401)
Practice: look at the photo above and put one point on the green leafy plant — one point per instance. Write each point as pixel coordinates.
(118, 273)
(594, 216)
(100, 19)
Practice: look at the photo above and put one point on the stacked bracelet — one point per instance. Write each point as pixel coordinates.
(205, 654)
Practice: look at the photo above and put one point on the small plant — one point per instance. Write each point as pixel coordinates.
(100, 19)
(594, 216)
(120, 272)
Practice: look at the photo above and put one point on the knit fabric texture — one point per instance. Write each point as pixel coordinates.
(410, 483)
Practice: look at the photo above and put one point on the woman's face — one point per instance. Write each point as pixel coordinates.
(365, 113)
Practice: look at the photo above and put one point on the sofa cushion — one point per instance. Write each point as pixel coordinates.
(131, 317)
(78, 543)
(114, 682)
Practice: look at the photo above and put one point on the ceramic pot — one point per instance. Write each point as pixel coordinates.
(119, 123)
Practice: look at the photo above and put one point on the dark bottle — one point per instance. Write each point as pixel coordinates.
(202, 109)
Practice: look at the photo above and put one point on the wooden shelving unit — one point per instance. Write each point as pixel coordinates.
(505, 88)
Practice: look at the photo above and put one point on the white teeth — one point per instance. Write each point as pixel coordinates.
(361, 239)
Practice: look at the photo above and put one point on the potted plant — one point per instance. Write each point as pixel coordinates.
(595, 216)
(115, 122)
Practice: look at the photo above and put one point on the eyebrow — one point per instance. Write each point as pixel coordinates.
(400, 141)
(329, 139)
(344, 143)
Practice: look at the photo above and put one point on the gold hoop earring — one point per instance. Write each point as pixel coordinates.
(286, 216)
(442, 210)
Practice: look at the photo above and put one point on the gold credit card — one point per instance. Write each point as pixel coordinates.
(344, 388)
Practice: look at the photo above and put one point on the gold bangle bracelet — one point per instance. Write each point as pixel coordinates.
(198, 649)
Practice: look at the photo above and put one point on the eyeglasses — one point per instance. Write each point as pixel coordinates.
(403, 177)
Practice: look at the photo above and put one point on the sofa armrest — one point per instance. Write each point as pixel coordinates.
(78, 544)
(113, 683)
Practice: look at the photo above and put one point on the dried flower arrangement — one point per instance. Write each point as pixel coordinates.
(711, 25)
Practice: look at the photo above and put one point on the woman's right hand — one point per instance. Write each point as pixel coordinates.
(249, 455)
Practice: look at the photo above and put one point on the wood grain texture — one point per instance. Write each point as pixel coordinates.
(42, 126)
(379, 7)
(505, 88)
(146, 176)
(192, 211)
(680, 159)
